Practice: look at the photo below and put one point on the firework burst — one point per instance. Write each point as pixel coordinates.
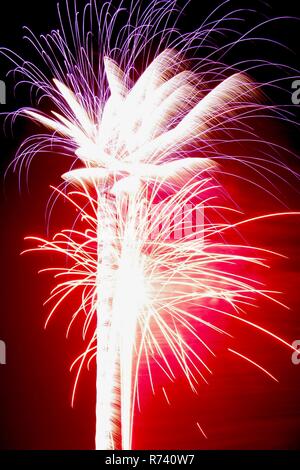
(144, 119)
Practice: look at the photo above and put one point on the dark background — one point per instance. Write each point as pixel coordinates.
(240, 408)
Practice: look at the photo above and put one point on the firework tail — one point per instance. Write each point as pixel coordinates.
(107, 352)
(117, 313)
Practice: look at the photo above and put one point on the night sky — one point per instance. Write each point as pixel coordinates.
(240, 408)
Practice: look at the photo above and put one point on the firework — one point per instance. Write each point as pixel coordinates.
(144, 127)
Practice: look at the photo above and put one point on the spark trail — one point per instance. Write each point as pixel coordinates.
(145, 129)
